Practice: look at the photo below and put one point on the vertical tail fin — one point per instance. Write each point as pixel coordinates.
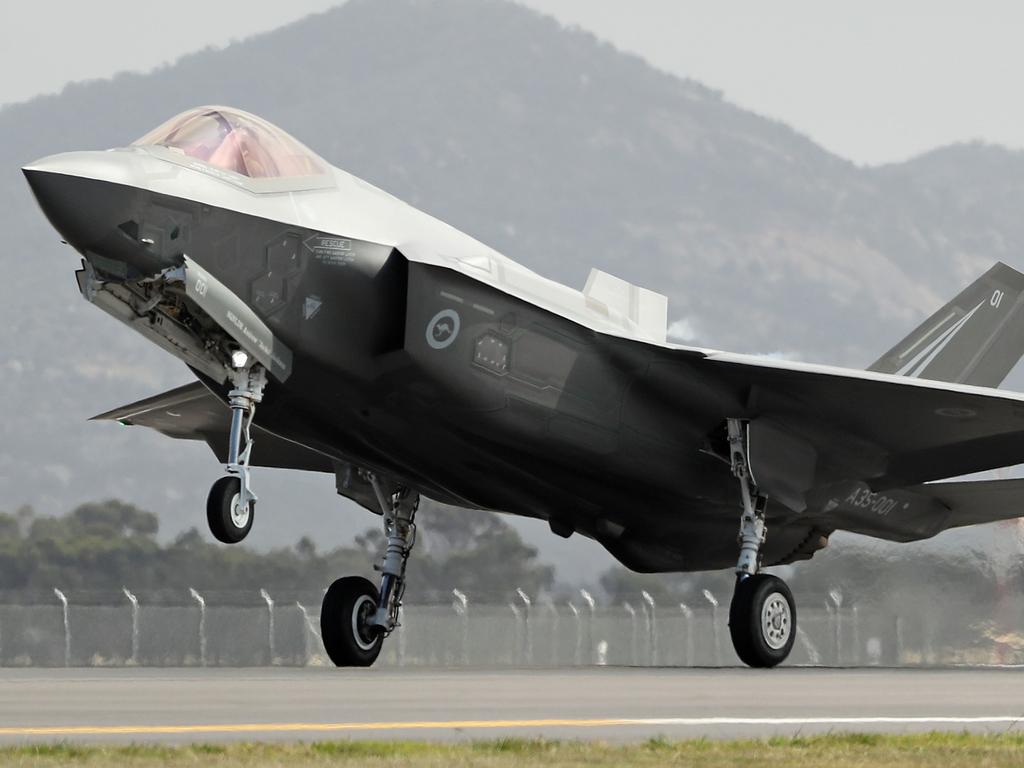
(976, 338)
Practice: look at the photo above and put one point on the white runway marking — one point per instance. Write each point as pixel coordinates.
(940, 720)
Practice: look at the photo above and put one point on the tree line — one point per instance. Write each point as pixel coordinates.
(102, 546)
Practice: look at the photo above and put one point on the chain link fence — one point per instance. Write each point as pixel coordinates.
(258, 629)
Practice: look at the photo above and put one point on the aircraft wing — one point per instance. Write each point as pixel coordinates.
(193, 412)
(819, 424)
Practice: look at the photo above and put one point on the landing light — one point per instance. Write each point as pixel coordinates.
(239, 359)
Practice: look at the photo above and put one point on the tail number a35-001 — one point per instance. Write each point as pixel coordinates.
(878, 503)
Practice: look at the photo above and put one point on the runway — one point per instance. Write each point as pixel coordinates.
(614, 704)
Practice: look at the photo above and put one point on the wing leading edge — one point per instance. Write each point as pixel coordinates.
(193, 412)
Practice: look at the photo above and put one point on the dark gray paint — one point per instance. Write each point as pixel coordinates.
(527, 412)
(977, 338)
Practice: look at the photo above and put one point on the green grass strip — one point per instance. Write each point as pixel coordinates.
(853, 750)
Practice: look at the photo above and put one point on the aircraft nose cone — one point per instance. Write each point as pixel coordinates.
(81, 193)
(64, 202)
(89, 199)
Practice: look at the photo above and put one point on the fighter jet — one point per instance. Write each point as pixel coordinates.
(331, 327)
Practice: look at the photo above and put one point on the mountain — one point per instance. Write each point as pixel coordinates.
(546, 143)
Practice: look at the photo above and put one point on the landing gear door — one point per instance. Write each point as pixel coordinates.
(783, 464)
(237, 319)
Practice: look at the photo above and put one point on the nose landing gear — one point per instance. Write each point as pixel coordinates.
(355, 616)
(231, 503)
(762, 615)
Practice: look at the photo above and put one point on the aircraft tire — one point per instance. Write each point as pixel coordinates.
(228, 523)
(762, 620)
(348, 605)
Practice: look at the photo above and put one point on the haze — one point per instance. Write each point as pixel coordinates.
(871, 81)
(763, 241)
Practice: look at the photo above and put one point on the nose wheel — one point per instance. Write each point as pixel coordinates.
(228, 513)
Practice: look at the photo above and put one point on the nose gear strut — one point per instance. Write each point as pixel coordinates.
(231, 502)
(248, 391)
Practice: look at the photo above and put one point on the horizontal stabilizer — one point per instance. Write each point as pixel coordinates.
(193, 412)
(980, 501)
(975, 339)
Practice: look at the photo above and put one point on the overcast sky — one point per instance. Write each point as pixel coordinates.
(875, 81)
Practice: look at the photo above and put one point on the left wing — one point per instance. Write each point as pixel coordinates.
(830, 444)
(892, 431)
(193, 412)
(855, 450)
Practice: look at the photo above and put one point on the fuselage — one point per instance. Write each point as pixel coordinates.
(408, 358)
(417, 350)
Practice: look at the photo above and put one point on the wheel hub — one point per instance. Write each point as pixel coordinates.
(776, 620)
(364, 633)
(239, 512)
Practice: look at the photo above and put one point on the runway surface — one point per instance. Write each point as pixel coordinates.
(187, 705)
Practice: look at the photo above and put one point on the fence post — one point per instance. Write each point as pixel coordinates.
(831, 647)
(688, 618)
(528, 636)
(836, 596)
(517, 639)
(714, 626)
(632, 633)
(652, 627)
(858, 650)
(589, 600)
(202, 625)
(461, 606)
(134, 603)
(578, 655)
(270, 625)
(554, 630)
(67, 626)
(308, 629)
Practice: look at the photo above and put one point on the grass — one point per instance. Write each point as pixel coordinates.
(948, 750)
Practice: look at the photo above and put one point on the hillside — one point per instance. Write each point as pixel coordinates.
(543, 142)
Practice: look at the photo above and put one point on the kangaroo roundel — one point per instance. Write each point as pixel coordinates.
(443, 328)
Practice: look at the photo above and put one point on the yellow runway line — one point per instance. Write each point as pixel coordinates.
(459, 725)
(163, 730)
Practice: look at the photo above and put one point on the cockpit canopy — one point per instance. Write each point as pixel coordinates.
(233, 140)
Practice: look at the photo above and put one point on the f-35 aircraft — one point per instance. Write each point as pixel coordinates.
(406, 358)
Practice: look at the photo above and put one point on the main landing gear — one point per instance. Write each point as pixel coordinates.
(231, 502)
(762, 615)
(356, 616)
